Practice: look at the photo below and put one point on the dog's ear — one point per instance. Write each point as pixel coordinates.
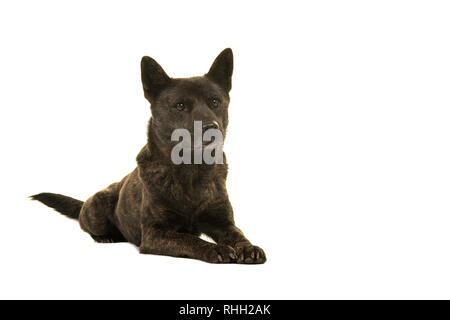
(154, 78)
(222, 69)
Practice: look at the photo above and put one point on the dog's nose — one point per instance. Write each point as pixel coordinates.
(210, 125)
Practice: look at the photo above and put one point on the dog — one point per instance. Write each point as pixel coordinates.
(163, 207)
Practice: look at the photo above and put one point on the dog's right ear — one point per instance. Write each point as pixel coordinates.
(154, 78)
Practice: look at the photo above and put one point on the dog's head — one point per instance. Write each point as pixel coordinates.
(177, 103)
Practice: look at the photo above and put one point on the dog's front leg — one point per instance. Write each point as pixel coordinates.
(176, 244)
(218, 223)
(232, 236)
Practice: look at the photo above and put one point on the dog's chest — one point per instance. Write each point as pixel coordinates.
(189, 191)
(191, 195)
(180, 196)
(185, 203)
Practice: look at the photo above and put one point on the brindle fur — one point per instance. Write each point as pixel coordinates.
(161, 207)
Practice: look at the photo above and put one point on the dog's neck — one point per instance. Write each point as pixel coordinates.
(158, 149)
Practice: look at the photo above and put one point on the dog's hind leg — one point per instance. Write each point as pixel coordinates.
(96, 216)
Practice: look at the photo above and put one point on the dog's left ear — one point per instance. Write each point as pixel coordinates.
(222, 69)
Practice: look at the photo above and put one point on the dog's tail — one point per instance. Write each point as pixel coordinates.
(67, 206)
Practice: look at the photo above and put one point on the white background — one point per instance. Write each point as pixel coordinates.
(338, 144)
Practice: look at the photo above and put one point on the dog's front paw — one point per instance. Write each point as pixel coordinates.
(221, 254)
(250, 254)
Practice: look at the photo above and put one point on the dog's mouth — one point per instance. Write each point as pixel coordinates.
(205, 144)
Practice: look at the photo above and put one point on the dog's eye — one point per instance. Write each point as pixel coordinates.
(180, 106)
(214, 102)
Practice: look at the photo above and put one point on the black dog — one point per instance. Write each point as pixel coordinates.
(162, 207)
